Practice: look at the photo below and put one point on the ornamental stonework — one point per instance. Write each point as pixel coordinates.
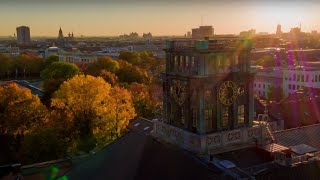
(214, 140)
(233, 136)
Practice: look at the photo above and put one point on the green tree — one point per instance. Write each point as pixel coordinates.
(51, 59)
(129, 74)
(104, 63)
(55, 74)
(274, 94)
(7, 65)
(266, 61)
(130, 57)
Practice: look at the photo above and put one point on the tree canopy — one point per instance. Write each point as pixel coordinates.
(59, 70)
(19, 109)
(103, 63)
(94, 106)
(129, 74)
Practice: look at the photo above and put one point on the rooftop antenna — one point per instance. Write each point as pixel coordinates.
(201, 20)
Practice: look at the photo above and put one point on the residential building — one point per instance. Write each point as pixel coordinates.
(300, 77)
(23, 35)
(267, 80)
(51, 51)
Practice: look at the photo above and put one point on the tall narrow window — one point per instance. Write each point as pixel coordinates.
(182, 116)
(240, 114)
(225, 117)
(194, 117)
(208, 118)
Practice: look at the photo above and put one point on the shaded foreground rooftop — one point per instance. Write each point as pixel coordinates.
(139, 156)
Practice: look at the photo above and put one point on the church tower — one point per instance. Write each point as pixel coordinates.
(60, 36)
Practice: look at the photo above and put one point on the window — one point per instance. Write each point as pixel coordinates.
(302, 78)
(225, 117)
(289, 86)
(298, 78)
(240, 114)
(264, 86)
(316, 78)
(294, 87)
(187, 61)
(175, 61)
(208, 118)
(294, 77)
(259, 85)
(255, 85)
(194, 117)
(298, 87)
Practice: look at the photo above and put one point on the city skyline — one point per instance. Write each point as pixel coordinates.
(111, 18)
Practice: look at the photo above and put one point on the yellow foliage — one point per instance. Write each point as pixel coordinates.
(97, 109)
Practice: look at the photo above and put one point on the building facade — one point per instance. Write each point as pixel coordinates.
(208, 96)
(202, 32)
(206, 88)
(77, 57)
(266, 80)
(10, 51)
(23, 35)
(300, 78)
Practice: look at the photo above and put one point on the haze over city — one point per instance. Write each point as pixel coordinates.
(112, 18)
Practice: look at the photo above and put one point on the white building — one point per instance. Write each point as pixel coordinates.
(77, 57)
(10, 51)
(265, 79)
(300, 77)
(51, 51)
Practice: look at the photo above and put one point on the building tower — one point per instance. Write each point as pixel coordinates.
(60, 36)
(23, 35)
(208, 94)
(279, 32)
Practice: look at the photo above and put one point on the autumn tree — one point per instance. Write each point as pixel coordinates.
(109, 77)
(20, 110)
(28, 65)
(91, 103)
(129, 74)
(145, 105)
(7, 65)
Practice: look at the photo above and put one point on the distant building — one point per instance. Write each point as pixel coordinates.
(300, 78)
(267, 79)
(248, 34)
(10, 51)
(279, 32)
(23, 35)
(77, 57)
(147, 35)
(64, 41)
(202, 32)
(51, 51)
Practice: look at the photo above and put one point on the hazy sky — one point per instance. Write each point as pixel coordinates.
(160, 17)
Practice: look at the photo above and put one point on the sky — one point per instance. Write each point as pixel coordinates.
(160, 17)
